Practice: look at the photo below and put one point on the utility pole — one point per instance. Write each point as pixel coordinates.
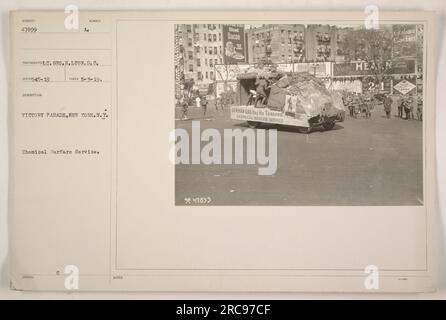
(268, 50)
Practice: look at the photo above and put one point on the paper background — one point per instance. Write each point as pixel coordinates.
(323, 5)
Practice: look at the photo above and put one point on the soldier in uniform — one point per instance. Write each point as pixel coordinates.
(400, 102)
(420, 109)
(387, 106)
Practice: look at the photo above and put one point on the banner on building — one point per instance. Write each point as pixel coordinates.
(233, 44)
(363, 68)
(404, 32)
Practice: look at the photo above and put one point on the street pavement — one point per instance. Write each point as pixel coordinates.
(375, 161)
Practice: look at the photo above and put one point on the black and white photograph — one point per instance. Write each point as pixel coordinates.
(298, 114)
(234, 152)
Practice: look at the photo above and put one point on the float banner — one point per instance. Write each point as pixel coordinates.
(249, 113)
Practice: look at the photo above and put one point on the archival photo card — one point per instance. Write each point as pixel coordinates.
(299, 114)
(222, 151)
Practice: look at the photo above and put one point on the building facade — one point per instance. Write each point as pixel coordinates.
(276, 43)
(288, 43)
(200, 49)
(320, 43)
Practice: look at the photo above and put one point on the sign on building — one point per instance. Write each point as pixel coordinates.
(233, 44)
(371, 84)
(404, 86)
(363, 68)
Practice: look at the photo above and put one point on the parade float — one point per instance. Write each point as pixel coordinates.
(293, 99)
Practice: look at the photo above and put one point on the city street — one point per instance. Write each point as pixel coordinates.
(375, 161)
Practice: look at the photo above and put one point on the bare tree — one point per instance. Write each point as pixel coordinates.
(227, 72)
(373, 46)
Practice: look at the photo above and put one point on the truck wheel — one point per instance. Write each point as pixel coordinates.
(328, 125)
(304, 129)
(253, 124)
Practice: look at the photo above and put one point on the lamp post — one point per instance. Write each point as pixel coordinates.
(268, 50)
(294, 51)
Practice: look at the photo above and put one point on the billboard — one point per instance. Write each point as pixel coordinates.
(362, 68)
(406, 86)
(404, 32)
(233, 44)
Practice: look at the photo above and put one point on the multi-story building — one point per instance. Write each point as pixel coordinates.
(406, 40)
(340, 34)
(321, 43)
(287, 43)
(275, 43)
(201, 48)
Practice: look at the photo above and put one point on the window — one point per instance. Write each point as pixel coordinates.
(207, 76)
(212, 75)
(214, 37)
(221, 61)
(219, 37)
(215, 50)
(210, 63)
(204, 36)
(190, 55)
(215, 61)
(199, 75)
(197, 49)
(188, 28)
(206, 62)
(205, 49)
(191, 68)
(210, 37)
(189, 42)
(220, 49)
(210, 50)
(198, 63)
